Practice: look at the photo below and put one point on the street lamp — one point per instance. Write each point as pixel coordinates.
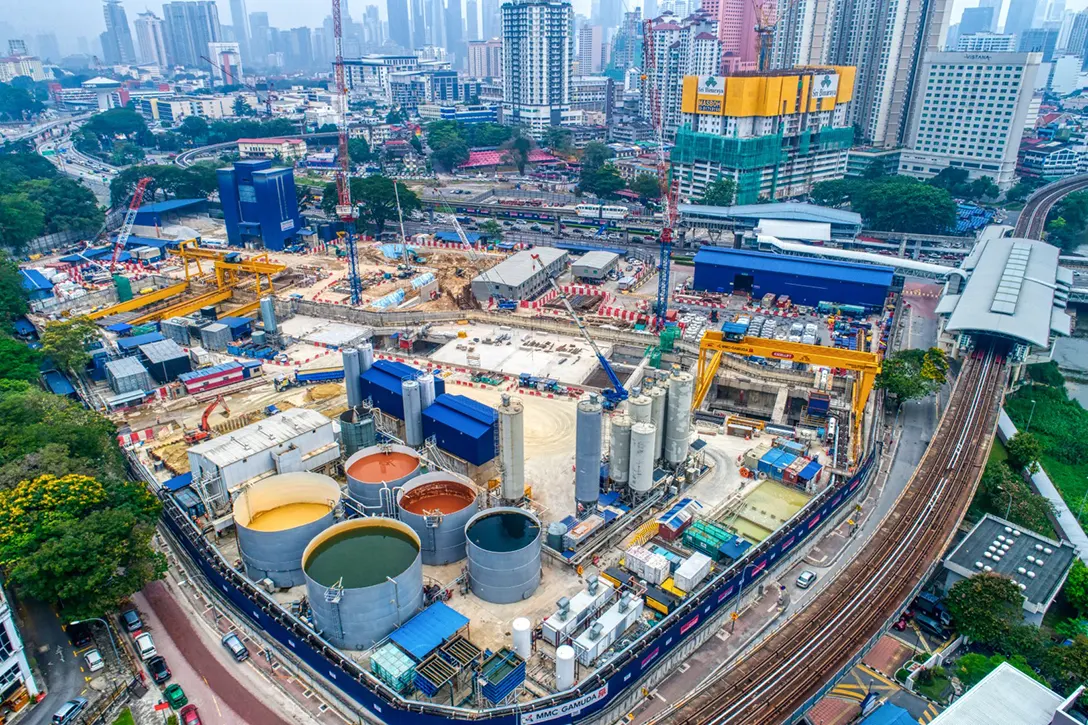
(1027, 428)
(108, 631)
(740, 593)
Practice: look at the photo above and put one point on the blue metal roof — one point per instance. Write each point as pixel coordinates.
(209, 371)
(119, 327)
(468, 407)
(397, 370)
(423, 633)
(34, 280)
(129, 343)
(810, 471)
(576, 247)
(734, 549)
(889, 714)
(178, 482)
(786, 211)
(452, 237)
(23, 326)
(58, 384)
(135, 242)
(235, 322)
(802, 267)
(456, 420)
(172, 205)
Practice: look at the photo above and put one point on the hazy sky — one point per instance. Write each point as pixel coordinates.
(72, 18)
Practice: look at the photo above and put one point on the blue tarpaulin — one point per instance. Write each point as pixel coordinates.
(423, 633)
(121, 328)
(889, 714)
(131, 343)
(733, 550)
(34, 280)
(811, 471)
(24, 328)
(58, 384)
(472, 237)
(178, 482)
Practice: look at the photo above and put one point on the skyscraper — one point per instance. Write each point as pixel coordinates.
(399, 30)
(590, 46)
(188, 28)
(736, 31)
(485, 58)
(150, 38)
(1078, 35)
(373, 33)
(239, 18)
(537, 55)
(682, 47)
(1021, 16)
(419, 23)
(17, 46)
(492, 19)
(47, 47)
(258, 37)
(472, 20)
(627, 43)
(977, 20)
(226, 63)
(801, 34)
(611, 14)
(117, 40)
(455, 43)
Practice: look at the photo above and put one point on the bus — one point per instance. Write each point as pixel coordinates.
(601, 211)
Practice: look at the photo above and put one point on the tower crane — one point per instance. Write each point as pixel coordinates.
(345, 210)
(130, 219)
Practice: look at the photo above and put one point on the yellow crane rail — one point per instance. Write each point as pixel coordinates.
(186, 307)
(865, 365)
(141, 301)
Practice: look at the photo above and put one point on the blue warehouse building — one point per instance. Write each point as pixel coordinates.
(806, 281)
(463, 427)
(382, 385)
(259, 204)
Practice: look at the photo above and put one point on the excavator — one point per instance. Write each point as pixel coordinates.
(204, 431)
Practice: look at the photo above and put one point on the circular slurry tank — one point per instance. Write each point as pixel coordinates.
(503, 554)
(275, 520)
(364, 578)
(373, 470)
(437, 506)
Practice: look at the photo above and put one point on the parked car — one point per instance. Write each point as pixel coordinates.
(145, 646)
(80, 634)
(130, 620)
(928, 624)
(159, 670)
(175, 696)
(190, 716)
(69, 711)
(805, 579)
(235, 646)
(94, 660)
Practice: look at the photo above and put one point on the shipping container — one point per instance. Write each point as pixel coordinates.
(752, 457)
(618, 577)
(165, 360)
(607, 629)
(215, 336)
(661, 601)
(692, 572)
(212, 377)
(795, 447)
(200, 357)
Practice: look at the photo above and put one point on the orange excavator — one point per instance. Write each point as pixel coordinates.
(205, 431)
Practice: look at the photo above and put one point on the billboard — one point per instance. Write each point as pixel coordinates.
(709, 106)
(711, 85)
(825, 85)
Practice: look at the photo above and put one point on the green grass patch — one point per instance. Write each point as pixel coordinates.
(125, 718)
(998, 454)
(937, 689)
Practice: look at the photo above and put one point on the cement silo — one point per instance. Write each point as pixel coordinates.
(503, 555)
(512, 448)
(640, 407)
(364, 578)
(619, 449)
(641, 477)
(426, 390)
(373, 474)
(366, 356)
(657, 413)
(587, 450)
(437, 506)
(356, 431)
(678, 416)
(413, 413)
(268, 314)
(352, 371)
(277, 517)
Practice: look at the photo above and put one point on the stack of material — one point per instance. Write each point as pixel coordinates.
(654, 568)
(215, 336)
(581, 531)
(691, 572)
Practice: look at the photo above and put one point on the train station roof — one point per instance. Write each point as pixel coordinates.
(793, 211)
(1015, 289)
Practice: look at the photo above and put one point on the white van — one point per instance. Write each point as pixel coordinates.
(145, 646)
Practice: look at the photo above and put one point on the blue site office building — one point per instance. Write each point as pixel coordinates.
(259, 204)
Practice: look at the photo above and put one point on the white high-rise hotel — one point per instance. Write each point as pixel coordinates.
(537, 63)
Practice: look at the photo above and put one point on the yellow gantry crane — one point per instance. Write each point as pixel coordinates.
(865, 366)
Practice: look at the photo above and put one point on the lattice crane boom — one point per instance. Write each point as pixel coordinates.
(130, 219)
(345, 210)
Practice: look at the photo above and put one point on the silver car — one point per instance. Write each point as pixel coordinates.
(806, 579)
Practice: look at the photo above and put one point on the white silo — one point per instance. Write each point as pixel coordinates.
(640, 408)
(564, 668)
(587, 450)
(523, 638)
(619, 450)
(426, 390)
(512, 448)
(352, 370)
(641, 477)
(657, 413)
(678, 416)
(413, 413)
(366, 356)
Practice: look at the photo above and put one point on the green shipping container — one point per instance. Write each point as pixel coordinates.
(124, 287)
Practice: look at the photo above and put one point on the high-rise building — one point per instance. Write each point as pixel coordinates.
(20, 687)
(188, 28)
(455, 43)
(492, 19)
(627, 43)
(977, 20)
(1078, 35)
(736, 31)
(472, 20)
(48, 48)
(1038, 40)
(986, 43)
(239, 18)
(420, 19)
(226, 63)
(400, 30)
(150, 38)
(259, 41)
(590, 47)
(611, 14)
(1021, 16)
(17, 46)
(954, 127)
(373, 30)
(485, 58)
(682, 47)
(885, 40)
(801, 34)
(760, 130)
(117, 40)
(537, 58)
(1055, 11)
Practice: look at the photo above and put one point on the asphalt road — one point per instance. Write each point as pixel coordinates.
(57, 661)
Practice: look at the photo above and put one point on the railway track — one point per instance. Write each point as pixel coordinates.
(1032, 221)
(790, 667)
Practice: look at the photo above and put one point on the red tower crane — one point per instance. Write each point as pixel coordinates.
(345, 210)
(130, 219)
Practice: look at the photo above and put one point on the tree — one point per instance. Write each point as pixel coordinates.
(17, 104)
(594, 156)
(75, 541)
(196, 181)
(1004, 493)
(1075, 588)
(901, 204)
(516, 151)
(375, 199)
(450, 156)
(241, 108)
(985, 607)
(720, 192)
(194, 128)
(415, 143)
(358, 150)
(1067, 224)
(835, 192)
(20, 361)
(972, 667)
(21, 220)
(13, 296)
(396, 116)
(647, 187)
(559, 140)
(492, 230)
(604, 182)
(65, 342)
(1068, 665)
(329, 128)
(911, 374)
(67, 205)
(443, 133)
(1024, 451)
(1023, 189)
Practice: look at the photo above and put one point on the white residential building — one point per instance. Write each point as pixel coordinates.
(590, 50)
(17, 684)
(681, 47)
(537, 63)
(150, 39)
(226, 66)
(368, 77)
(986, 43)
(288, 149)
(971, 109)
(21, 65)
